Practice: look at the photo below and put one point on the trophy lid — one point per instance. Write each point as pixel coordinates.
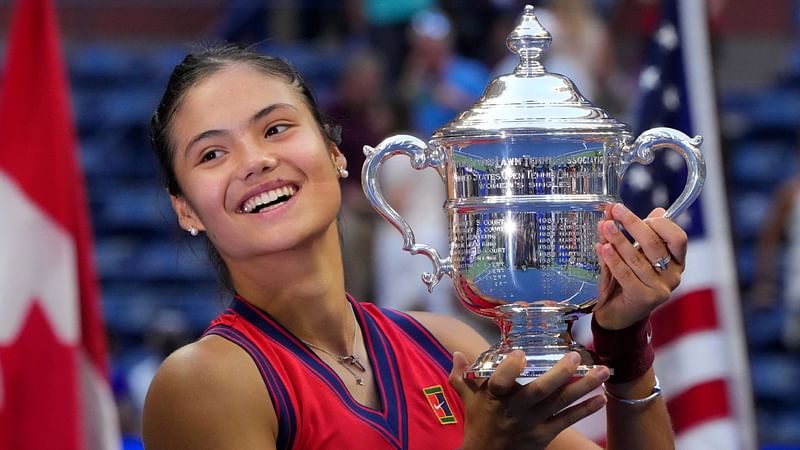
(529, 101)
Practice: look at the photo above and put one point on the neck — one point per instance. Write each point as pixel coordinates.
(295, 282)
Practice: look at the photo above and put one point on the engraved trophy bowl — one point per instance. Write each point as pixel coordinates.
(529, 170)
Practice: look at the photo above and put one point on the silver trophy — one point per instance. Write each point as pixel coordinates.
(529, 170)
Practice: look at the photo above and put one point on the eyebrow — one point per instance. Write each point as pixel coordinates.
(255, 118)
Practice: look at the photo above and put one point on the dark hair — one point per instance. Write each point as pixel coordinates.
(198, 66)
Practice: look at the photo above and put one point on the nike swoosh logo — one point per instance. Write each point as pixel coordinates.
(439, 406)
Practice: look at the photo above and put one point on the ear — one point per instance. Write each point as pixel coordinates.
(187, 218)
(339, 161)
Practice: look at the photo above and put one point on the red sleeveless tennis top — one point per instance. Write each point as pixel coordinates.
(419, 409)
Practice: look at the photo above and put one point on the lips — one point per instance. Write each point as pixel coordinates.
(266, 200)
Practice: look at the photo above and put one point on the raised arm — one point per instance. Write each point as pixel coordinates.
(634, 285)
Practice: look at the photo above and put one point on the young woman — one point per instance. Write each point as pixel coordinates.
(295, 362)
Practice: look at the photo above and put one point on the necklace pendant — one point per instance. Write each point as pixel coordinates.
(353, 361)
(360, 381)
(357, 363)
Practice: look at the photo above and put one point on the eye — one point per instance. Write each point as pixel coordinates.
(276, 129)
(210, 155)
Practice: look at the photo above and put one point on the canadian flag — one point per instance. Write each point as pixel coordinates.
(54, 389)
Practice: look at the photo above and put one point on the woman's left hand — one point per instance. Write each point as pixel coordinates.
(631, 283)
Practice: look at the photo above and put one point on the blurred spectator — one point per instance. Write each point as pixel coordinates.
(386, 23)
(130, 421)
(472, 19)
(250, 22)
(437, 82)
(169, 330)
(580, 49)
(418, 197)
(777, 278)
(366, 116)
(360, 105)
(245, 22)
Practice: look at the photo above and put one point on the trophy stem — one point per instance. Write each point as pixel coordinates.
(542, 330)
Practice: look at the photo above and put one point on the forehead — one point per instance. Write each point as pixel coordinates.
(226, 98)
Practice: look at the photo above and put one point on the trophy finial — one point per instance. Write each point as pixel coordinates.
(528, 40)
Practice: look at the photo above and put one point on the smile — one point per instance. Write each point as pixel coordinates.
(268, 200)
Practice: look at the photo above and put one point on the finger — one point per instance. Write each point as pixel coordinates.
(456, 379)
(606, 217)
(624, 272)
(504, 379)
(605, 284)
(570, 393)
(638, 262)
(672, 235)
(552, 380)
(607, 210)
(600, 235)
(574, 413)
(649, 241)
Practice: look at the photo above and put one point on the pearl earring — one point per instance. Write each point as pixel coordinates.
(193, 231)
(343, 173)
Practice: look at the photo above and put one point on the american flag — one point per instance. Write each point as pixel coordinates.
(698, 335)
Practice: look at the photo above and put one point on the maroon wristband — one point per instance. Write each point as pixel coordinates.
(627, 351)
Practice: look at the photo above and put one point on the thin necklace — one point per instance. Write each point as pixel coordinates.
(347, 361)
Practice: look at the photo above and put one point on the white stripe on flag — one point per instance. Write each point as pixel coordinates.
(679, 368)
(718, 434)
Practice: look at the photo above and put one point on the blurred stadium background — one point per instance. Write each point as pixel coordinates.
(157, 289)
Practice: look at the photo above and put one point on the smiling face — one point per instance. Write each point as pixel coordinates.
(253, 166)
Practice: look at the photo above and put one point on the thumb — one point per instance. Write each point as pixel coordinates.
(456, 379)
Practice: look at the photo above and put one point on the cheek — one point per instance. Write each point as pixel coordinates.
(205, 196)
(320, 163)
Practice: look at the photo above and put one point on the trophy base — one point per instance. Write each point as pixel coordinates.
(543, 331)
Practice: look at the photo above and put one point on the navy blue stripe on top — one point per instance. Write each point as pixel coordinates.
(284, 410)
(422, 337)
(384, 363)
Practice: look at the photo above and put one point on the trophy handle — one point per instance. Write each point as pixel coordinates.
(421, 156)
(641, 151)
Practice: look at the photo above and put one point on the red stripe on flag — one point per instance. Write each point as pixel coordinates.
(689, 313)
(698, 404)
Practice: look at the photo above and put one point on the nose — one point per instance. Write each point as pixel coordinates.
(257, 161)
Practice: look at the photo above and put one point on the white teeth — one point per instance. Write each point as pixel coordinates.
(267, 197)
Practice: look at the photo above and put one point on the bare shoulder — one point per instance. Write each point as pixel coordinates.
(208, 394)
(454, 334)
